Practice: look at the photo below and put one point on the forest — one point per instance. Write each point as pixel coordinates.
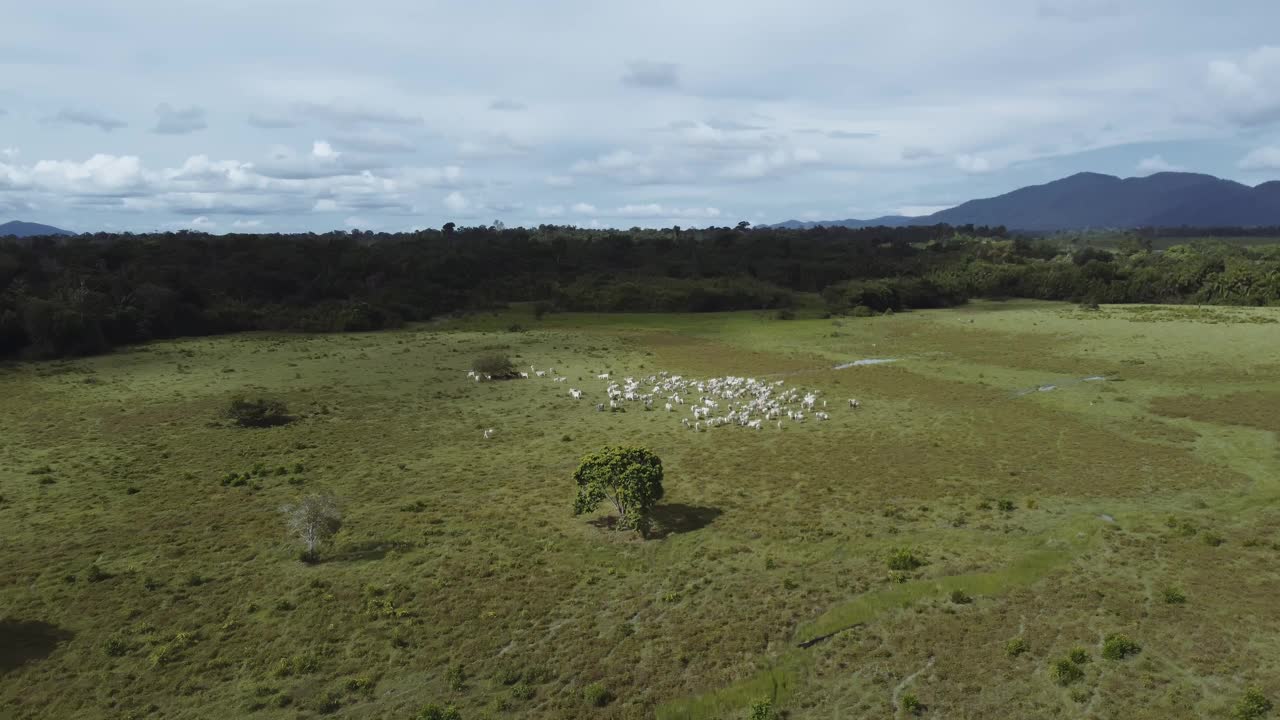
(84, 295)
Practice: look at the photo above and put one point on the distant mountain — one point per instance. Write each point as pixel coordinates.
(1092, 200)
(26, 229)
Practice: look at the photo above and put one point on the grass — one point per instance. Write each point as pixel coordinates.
(817, 569)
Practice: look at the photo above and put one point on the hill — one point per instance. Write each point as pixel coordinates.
(18, 228)
(1093, 200)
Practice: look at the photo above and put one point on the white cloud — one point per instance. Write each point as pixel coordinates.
(1248, 89)
(356, 222)
(1157, 163)
(582, 208)
(495, 146)
(323, 149)
(246, 224)
(199, 224)
(10, 153)
(1263, 158)
(171, 121)
(559, 181)
(761, 164)
(456, 202)
(973, 163)
(549, 211)
(325, 205)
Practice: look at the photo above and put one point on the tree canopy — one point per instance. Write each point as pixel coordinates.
(630, 478)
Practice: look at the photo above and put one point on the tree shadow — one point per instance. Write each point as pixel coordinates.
(366, 550)
(22, 641)
(678, 518)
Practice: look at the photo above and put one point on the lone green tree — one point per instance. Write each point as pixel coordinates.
(628, 477)
(314, 520)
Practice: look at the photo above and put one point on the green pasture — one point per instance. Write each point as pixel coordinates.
(1057, 474)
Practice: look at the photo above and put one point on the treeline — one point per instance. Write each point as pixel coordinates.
(83, 295)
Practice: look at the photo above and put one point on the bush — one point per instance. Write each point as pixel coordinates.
(596, 695)
(522, 691)
(435, 712)
(785, 314)
(258, 413)
(960, 597)
(1078, 655)
(862, 311)
(904, 559)
(1016, 647)
(1253, 706)
(1065, 672)
(762, 710)
(496, 366)
(1173, 596)
(1005, 506)
(1117, 646)
(457, 677)
(910, 704)
(115, 646)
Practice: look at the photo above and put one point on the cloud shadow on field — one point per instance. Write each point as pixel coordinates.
(22, 641)
(678, 518)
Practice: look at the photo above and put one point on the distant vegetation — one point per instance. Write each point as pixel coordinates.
(84, 295)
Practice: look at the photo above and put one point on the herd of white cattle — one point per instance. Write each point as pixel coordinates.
(703, 404)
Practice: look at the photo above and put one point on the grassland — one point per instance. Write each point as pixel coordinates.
(135, 583)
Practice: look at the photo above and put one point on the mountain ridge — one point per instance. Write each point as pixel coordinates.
(1095, 200)
(23, 229)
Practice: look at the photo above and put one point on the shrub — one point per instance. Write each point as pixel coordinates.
(1253, 706)
(1117, 646)
(1173, 596)
(762, 710)
(259, 413)
(495, 365)
(596, 695)
(435, 712)
(960, 597)
(1005, 506)
(1065, 672)
(96, 574)
(910, 704)
(1212, 539)
(508, 675)
(115, 646)
(1016, 647)
(904, 559)
(1078, 655)
(457, 677)
(522, 691)
(861, 311)
(785, 314)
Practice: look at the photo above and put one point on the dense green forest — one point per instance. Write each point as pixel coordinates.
(87, 294)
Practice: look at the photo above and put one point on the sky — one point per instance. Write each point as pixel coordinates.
(392, 115)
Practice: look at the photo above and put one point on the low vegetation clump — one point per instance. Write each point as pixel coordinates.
(1253, 706)
(438, 712)
(960, 597)
(495, 366)
(1065, 672)
(1118, 646)
(905, 559)
(910, 704)
(1016, 647)
(258, 413)
(596, 695)
(1173, 596)
(762, 710)
(1078, 655)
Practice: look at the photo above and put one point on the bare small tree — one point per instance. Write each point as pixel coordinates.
(314, 519)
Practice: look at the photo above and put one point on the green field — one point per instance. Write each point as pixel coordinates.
(135, 582)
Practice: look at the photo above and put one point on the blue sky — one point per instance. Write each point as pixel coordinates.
(241, 115)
